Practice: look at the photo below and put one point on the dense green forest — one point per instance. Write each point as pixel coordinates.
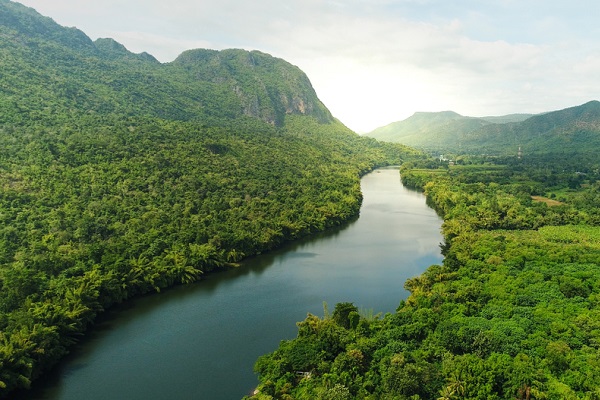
(120, 175)
(574, 130)
(512, 313)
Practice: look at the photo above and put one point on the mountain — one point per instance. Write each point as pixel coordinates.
(428, 129)
(110, 48)
(266, 87)
(120, 175)
(504, 119)
(572, 130)
(197, 84)
(569, 131)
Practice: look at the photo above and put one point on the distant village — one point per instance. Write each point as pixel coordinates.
(442, 158)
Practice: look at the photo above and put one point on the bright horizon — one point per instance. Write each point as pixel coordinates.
(379, 61)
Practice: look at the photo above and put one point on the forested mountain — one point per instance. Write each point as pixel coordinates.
(64, 67)
(568, 131)
(120, 175)
(438, 131)
(428, 129)
(504, 119)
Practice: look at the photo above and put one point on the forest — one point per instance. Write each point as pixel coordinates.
(512, 312)
(121, 176)
(92, 218)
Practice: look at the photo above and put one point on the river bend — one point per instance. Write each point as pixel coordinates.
(200, 341)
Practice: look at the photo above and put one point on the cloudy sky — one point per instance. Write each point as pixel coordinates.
(373, 62)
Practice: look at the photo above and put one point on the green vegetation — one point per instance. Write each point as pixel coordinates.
(570, 131)
(121, 176)
(428, 130)
(511, 314)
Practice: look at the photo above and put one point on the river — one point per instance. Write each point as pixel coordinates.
(200, 341)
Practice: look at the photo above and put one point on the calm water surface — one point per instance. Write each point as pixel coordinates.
(200, 341)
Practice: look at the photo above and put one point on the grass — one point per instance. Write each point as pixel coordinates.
(549, 202)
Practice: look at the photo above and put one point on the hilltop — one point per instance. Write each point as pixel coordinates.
(102, 76)
(428, 129)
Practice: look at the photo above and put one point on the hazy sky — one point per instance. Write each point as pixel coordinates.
(373, 62)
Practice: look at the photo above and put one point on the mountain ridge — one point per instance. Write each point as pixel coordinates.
(416, 129)
(255, 81)
(28, 22)
(296, 96)
(555, 131)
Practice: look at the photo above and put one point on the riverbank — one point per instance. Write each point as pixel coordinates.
(203, 339)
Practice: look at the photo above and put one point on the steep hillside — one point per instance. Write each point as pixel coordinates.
(43, 57)
(266, 87)
(568, 131)
(120, 175)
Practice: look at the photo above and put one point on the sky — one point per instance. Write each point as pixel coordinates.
(373, 62)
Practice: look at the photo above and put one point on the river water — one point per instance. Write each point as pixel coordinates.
(200, 341)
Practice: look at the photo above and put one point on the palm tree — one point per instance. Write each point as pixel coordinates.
(447, 393)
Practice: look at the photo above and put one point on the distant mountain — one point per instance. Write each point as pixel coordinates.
(575, 129)
(428, 129)
(568, 131)
(503, 119)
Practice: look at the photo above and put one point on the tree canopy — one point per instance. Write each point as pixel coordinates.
(512, 313)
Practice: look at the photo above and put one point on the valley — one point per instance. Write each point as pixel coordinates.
(125, 181)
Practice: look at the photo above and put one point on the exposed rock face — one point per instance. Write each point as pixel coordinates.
(198, 84)
(266, 87)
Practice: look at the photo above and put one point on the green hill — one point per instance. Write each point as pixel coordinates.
(504, 119)
(265, 87)
(120, 175)
(568, 131)
(428, 130)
